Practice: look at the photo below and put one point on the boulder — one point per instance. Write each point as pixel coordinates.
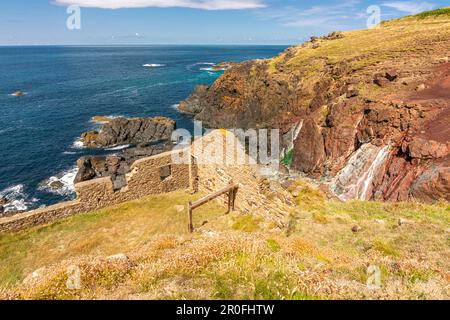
(123, 131)
(380, 80)
(334, 36)
(391, 75)
(56, 185)
(116, 166)
(85, 170)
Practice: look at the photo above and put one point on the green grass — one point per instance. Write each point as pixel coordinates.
(434, 13)
(121, 228)
(288, 158)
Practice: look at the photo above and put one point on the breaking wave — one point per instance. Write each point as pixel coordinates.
(16, 198)
(61, 184)
(78, 144)
(153, 65)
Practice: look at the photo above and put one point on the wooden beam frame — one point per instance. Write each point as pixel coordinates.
(230, 191)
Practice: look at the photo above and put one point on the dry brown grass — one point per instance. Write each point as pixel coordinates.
(123, 228)
(314, 261)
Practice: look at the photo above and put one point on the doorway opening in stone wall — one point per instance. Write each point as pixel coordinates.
(165, 172)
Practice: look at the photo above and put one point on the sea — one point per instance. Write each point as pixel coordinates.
(65, 86)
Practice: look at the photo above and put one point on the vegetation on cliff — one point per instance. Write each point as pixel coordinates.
(386, 87)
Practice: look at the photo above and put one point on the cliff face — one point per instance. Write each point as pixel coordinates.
(370, 109)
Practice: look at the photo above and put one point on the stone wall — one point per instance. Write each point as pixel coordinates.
(153, 175)
(258, 193)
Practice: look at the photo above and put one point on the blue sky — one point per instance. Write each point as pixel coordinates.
(190, 21)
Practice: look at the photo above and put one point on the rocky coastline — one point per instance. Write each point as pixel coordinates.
(372, 127)
(136, 137)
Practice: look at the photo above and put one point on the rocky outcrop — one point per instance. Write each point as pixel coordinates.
(223, 66)
(3, 201)
(432, 184)
(122, 131)
(193, 104)
(367, 132)
(143, 137)
(116, 166)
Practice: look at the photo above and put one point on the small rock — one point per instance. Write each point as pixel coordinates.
(352, 93)
(380, 80)
(2, 209)
(402, 222)
(18, 94)
(391, 75)
(33, 277)
(295, 193)
(121, 257)
(179, 208)
(315, 45)
(380, 221)
(356, 229)
(56, 185)
(334, 35)
(421, 87)
(3, 201)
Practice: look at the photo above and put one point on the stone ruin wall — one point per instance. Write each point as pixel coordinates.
(144, 179)
(257, 194)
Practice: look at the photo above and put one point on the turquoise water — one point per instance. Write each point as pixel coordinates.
(66, 86)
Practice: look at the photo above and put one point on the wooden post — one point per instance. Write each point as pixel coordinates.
(191, 224)
(230, 192)
(233, 201)
(229, 196)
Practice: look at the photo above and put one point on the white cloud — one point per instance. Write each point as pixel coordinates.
(411, 7)
(195, 4)
(332, 16)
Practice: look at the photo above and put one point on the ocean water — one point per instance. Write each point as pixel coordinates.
(66, 86)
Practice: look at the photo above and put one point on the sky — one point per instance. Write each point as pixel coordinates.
(109, 22)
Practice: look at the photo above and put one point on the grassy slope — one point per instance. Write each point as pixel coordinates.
(121, 228)
(362, 48)
(316, 256)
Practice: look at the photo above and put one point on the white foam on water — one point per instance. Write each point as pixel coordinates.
(153, 65)
(192, 66)
(78, 144)
(17, 199)
(175, 106)
(204, 63)
(66, 179)
(118, 147)
(69, 152)
(14, 94)
(107, 117)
